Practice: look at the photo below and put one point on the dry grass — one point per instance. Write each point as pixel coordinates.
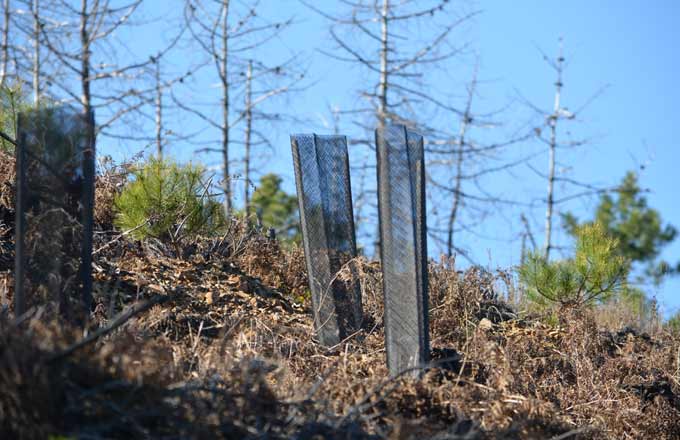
(109, 182)
(232, 354)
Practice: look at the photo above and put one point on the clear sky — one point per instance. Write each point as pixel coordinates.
(629, 47)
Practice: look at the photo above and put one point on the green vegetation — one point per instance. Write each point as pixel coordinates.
(673, 324)
(11, 103)
(167, 201)
(640, 235)
(637, 228)
(594, 274)
(276, 208)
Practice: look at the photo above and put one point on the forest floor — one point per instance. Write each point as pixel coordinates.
(220, 344)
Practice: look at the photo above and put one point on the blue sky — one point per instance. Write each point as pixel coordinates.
(630, 48)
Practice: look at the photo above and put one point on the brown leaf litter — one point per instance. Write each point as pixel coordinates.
(231, 354)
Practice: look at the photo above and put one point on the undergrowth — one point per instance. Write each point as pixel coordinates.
(230, 353)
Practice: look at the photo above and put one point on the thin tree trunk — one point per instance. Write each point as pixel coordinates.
(88, 170)
(159, 110)
(36, 52)
(4, 57)
(384, 48)
(457, 188)
(226, 182)
(551, 196)
(551, 159)
(382, 92)
(249, 126)
(527, 232)
(460, 156)
(86, 96)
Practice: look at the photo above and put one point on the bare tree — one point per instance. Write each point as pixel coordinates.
(158, 107)
(4, 49)
(223, 61)
(264, 83)
(23, 44)
(18, 37)
(372, 37)
(459, 167)
(228, 33)
(551, 124)
(395, 44)
(556, 115)
(35, 12)
(248, 136)
(465, 122)
(80, 62)
(162, 84)
(165, 83)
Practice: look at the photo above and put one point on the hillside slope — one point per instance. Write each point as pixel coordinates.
(227, 351)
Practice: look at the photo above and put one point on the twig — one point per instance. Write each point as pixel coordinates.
(121, 319)
(378, 391)
(28, 314)
(7, 138)
(121, 235)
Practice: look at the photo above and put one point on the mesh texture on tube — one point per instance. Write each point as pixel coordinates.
(401, 200)
(325, 200)
(55, 190)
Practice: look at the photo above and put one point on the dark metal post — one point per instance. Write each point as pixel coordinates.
(20, 221)
(54, 209)
(325, 200)
(401, 200)
(88, 212)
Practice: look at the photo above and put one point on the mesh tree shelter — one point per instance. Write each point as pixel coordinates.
(325, 199)
(55, 197)
(401, 207)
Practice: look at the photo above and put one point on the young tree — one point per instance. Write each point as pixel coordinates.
(593, 275)
(639, 229)
(167, 201)
(12, 102)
